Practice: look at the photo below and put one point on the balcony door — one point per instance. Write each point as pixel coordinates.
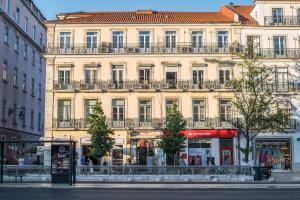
(197, 40)
(64, 77)
(225, 110)
(222, 39)
(91, 40)
(224, 77)
(277, 15)
(279, 45)
(144, 76)
(198, 78)
(118, 112)
(198, 112)
(145, 112)
(282, 79)
(88, 107)
(171, 79)
(64, 111)
(118, 40)
(118, 76)
(170, 40)
(144, 40)
(253, 44)
(90, 75)
(65, 40)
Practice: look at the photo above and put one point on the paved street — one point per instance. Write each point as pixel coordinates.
(147, 194)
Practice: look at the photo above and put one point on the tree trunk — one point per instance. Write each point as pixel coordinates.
(246, 158)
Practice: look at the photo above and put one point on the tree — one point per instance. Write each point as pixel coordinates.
(173, 140)
(258, 106)
(102, 142)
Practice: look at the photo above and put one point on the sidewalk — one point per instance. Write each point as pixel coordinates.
(154, 186)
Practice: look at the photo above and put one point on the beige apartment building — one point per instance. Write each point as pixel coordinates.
(137, 64)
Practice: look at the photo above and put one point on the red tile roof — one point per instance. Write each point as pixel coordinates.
(141, 17)
(244, 13)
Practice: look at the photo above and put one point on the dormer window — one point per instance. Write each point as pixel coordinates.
(277, 14)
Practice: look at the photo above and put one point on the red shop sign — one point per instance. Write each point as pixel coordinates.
(223, 133)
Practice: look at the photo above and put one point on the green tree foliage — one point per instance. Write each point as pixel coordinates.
(173, 141)
(257, 104)
(102, 142)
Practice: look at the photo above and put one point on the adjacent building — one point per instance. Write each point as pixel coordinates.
(140, 62)
(22, 70)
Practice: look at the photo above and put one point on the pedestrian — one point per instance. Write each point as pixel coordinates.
(198, 160)
(208, 161)
(91, 166)
(181, 162)
(213, 161)
(193, 161)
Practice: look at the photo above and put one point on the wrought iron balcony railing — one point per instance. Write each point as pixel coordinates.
(280, 53)
(153, 48)
(140, 85)
(282, 21)
(160, 123)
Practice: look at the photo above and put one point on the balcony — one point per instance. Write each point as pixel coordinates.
(154, 48)
(67, 85)
(136, 85)
(284, 53)
(283, 21)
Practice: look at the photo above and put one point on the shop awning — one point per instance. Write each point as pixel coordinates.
(222, 133)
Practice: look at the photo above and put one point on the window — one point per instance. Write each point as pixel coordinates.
(118, 75)
(32, 119)
(33, 32)
(170, 39)
(41, 39)
(65, 40)
(198, 110)
(17, 16)
(16, 46)
(145, 111)
(199, 143)
(64, 110)
(40, 92)
(33, 57)
(118, 38)
(170, 102)
(6, 35)
(4, 71)
(26, 24)
(24, 83)
(198, 77)
(144, 75)
(41, 63)
(39, 121)
(171, 78)
(277, 14)
(15, 77)
(144, 39)
(90, 75)
(4, 109)
(281, 79)
(32, 87)
(118, 110)
(7, 6)
(64, 76)
(222, 39)
(23, 109)
(253, 43)
(225, 110)
(91, 39)
(197, 39)
(25, 53)
(279, 45)
(88, 107)
(224, 76)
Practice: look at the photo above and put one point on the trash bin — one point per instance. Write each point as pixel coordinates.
(258, 175)
(262, 173)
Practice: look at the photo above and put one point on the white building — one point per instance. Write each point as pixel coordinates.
(22, 70)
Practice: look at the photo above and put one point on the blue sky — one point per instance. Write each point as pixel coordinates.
(51, 7)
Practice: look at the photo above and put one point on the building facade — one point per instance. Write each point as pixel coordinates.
(137, 64)
(22, 70)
